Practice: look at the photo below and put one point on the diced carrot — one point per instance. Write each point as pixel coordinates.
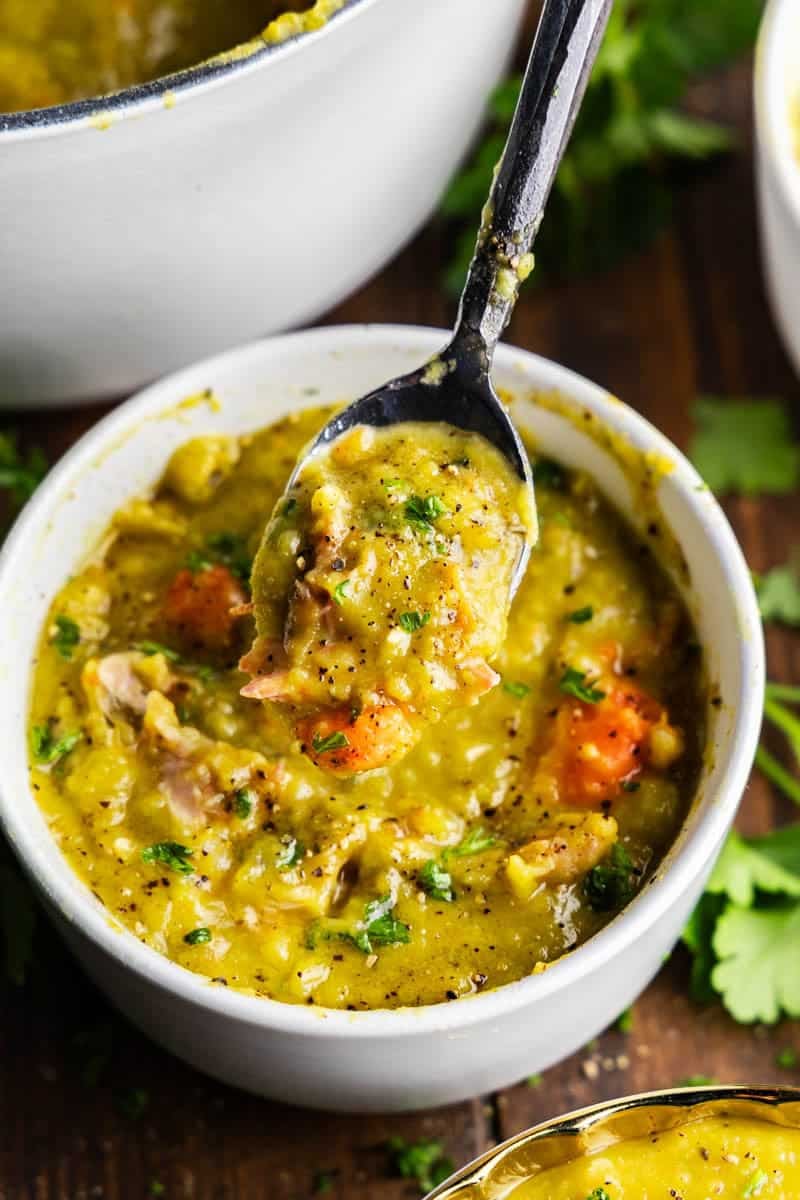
(198, 606)
(358, 741)
(601, 746)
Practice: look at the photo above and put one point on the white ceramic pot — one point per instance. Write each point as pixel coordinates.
(385, 1060)
(141, 232)
(777, 109)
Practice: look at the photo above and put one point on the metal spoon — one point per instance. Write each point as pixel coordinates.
(454, 386)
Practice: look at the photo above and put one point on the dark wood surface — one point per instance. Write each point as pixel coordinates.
(688, 316)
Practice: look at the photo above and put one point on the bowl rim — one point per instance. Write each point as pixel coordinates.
(771, 101)
(73, 900)
(581, 1119)
(139, 98)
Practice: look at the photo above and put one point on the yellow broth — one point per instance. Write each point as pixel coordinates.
(510, 833)
(53, 52)
(718, 1156)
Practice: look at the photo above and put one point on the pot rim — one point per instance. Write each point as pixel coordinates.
(134, 101)
(78, 908)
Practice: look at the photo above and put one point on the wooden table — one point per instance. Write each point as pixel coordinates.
(688, 316)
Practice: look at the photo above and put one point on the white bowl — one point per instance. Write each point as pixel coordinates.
(777, 89)
(143, 231)
(383, 1060)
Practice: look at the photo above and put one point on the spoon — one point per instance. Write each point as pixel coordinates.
(454, 386)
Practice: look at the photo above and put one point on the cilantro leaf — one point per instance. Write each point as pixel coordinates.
(422, 514)
(412, 622)
(758, 973)
(697, 936)
(779, 594)
(333, 741)
(66, 637)
(47, 748)
(745, 867)
(476, 841)
(437, 881)
(611, 883)
(171, 854)
(291, 853)
(198, 937)
(381, 927)
(424, 1161)
(745, 446)
(573, 683)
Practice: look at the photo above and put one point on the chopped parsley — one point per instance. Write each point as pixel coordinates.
(198, 937)
(573, 683)
(243, 803)
(422, 514)
(745, 446)
(611, 883)
(424, 1161)
(332, 741)
(47, 748)
(756, 1183)
(598, 1193)
(66, 637)
(340, 591)
(411, 622)
(476, 841)
(171, 854)
(152, 648)
(379, 927)
(437, 881)
(515, 688)
(581, 615)
(291, 853)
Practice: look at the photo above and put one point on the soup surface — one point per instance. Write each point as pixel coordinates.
(382, 586)
(728, 1157)
(511, 832)
(53, 52)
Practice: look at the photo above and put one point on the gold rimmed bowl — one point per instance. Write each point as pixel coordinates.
(497, 1174)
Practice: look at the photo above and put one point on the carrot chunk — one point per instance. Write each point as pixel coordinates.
(198, 606)
(347, 743)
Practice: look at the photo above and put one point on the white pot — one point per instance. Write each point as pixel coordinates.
(777, 90)
(384, 1060)
(142, 232)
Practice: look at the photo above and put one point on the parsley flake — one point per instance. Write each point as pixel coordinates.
(611, 883)
(422, 514)
(152, 648)
(66, 637)
(476, 841)
(412, 622)
(515, 688)
(424, 1161)
(340, 591)
(171, 854)
(47, 748)
(243, 803)
(332, 741)
(437, 881)
(291, 853)
(573, 683)
(198, 937)
(581, 615)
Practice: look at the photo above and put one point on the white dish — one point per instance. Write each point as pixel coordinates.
(383, 1060)
(777, 109)
(142, 231)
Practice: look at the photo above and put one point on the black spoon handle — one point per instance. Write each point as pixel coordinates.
(564, 50)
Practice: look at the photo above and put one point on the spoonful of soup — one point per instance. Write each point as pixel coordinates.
(382, 586)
